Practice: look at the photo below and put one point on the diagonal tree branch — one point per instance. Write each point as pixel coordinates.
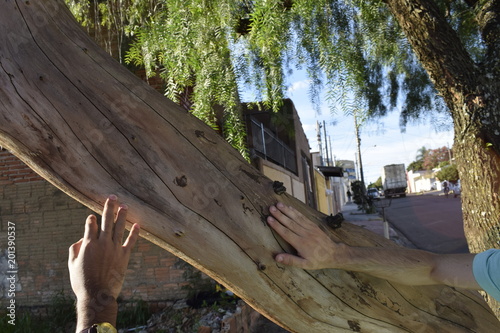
(90, 127)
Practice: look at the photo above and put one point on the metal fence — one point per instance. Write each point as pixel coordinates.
(270, 147)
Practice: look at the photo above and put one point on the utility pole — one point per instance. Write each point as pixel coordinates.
(331, 150)
(326, 145)
(363, 187)
(358, 143)
(318, 131)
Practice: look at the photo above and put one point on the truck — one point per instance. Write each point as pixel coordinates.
(394, 180)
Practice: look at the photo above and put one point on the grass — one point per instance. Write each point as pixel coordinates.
(61, 317)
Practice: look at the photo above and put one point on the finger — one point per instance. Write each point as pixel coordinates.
(291, 260)
(90, 228)
(132, 237)
(297, 217)
(290, 212)
(74, 250)
(108, 215)
(121, 218)
(278, 215)
(288, 235)
(284, 219)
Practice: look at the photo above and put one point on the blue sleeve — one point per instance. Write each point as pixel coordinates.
(486, 269)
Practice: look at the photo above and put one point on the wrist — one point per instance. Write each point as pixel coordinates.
(343, 256)
(96, 310)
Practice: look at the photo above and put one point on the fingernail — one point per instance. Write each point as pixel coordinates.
(272, 209)
(123, 206)
(279, 258)
(112, 197)
(280, 205)
(270, 219)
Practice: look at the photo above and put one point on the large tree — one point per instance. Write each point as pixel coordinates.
(85, 123)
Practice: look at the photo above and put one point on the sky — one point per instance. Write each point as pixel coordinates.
(382, 142)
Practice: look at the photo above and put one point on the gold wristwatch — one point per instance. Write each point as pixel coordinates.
(100, 328)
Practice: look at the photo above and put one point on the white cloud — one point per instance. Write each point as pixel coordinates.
(391, 146)
(309, 128)
(299, 85)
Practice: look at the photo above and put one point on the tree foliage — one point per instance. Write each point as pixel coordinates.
(219, 47)
(187, 43)
(433, 157)
(357, 191)
(448, 172)
(428, 159)
(377, 184)
(418, 164)
(415, 165)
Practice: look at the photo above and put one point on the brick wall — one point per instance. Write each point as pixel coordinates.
(47, 222)
(14, 171)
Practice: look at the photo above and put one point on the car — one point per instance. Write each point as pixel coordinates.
(373, 193)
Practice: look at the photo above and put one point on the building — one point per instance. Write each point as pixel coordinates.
(423, 180)
(332, 184)
(279, 148)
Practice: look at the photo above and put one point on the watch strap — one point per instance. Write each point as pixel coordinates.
(100, 328)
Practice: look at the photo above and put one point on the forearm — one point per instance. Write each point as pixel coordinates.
(455, 270)
(316, 250)
(411, 267)
(96, 311)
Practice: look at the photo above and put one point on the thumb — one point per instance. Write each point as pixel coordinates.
(74, 250)
(291, 260)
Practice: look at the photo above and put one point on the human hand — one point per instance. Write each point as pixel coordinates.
(315, 249)
(97, 264)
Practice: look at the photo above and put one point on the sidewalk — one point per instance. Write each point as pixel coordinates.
(373, 222)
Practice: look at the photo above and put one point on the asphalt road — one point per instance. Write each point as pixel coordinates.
(430, 221)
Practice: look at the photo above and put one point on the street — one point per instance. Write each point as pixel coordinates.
(431, 222)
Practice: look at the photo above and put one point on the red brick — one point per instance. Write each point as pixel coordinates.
(161, 273)
(153, 260)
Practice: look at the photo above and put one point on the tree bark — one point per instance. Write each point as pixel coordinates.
(90, 127)
(471, 91)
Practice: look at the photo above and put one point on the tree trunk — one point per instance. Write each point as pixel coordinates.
(471, 92)
(90, 127)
